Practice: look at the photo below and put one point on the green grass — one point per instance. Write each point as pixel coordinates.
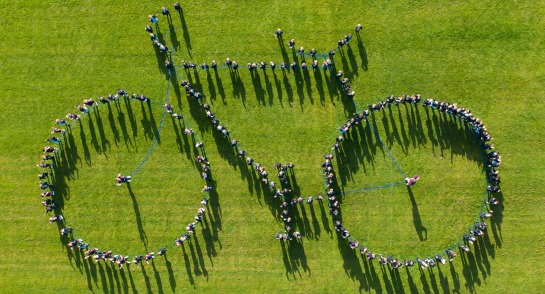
(485, 56)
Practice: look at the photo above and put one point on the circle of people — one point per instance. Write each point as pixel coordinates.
(47, 175)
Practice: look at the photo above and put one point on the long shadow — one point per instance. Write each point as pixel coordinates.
(113, 277)
(105, 143)
(386, 279)
(173, 36)
(88, 273)
(455, 278)
(417, 221)
(125, 281)
(196, 267)
(325, 220)
(161, 57)
(287, 87)
(211, 88)
(86, 152)
(133, 286)
(123, 125)
(146, 279)
(209, 238)
(258, 87)
(353, 63)
(320, 85)
(104, 279)
(299, 84)
(308, 85)
(285, 56)
(113, 125)
(239, 91)
(152, 126)
(297, 257)
(424, 281)
(92, 131)
(187, 263)
(268, 86)
(412, 286)
(352, 266)
(200, 256)
(157, 278)
(279, 91)
(143, 236)
(171, 277)
(132, 118)
(315, 223)
(187, 38)
(363, 55)
(219, 84)
(497, 219)
(290, 271)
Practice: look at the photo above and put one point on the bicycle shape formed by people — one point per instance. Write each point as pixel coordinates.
(282, 192)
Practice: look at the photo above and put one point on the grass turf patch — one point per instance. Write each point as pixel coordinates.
(480, 54)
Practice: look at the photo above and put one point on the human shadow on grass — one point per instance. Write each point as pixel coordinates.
(92, 131)
(187, 263)
(497, 219)
(161, 57)
(173, 36)
(239, 90)
(363, 54)
(268, 86)
(219, 84)
(421, 231)
(187, 38)
(105, 143)
(142, 233)
(171, 278)
(294, 257)
(113, 125)
(258, 87)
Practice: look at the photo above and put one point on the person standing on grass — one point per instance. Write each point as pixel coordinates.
(122, 179)
(278, 33)
(291, 43)
(165, 11)
(358, 28)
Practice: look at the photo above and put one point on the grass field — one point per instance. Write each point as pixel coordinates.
(484, 55)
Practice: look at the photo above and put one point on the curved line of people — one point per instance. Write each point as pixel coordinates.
(492, 158)
(48, 158)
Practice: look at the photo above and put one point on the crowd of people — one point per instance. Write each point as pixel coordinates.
(283, 192)
(479, 228)
(252, 66)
